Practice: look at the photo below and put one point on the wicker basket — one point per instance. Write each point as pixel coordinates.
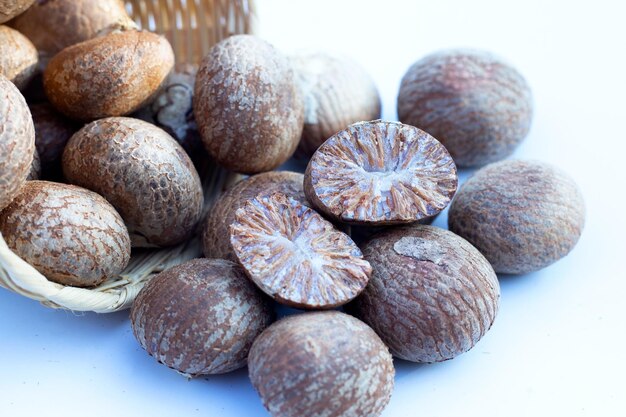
(192, 26)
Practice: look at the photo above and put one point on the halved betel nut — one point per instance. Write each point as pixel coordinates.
(380, 173)
(296, 256)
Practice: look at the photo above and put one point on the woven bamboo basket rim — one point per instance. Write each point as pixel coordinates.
(192, 27)
(118, 292)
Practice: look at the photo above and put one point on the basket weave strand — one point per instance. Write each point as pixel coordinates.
(192, 26)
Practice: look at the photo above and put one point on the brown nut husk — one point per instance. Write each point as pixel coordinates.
(52, 132)
(477, 105)
(111, 75)
(247, 106)
(18, 57)
(200, 317)
(432, 295)
(379, 173)
(522, 215)
(216, 233)
(11, 8)
(17, 141)
(54, 25)
(71, 235)
(143, 172)
(172, 111)
(296, 256)
(337, 93)
(321, 364)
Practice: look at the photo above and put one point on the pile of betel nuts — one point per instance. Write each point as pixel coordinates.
(118, 135)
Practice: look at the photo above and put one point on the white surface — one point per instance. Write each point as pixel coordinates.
(558, 344)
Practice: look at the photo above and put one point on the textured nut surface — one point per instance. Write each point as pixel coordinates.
(522, 215)
(17, 141)
(11, 8)
(143, 172)
(52, 132)
(55, 25)
(200, 317)
(478, 106)
(35, 168)
(337, 93)
(380, 173)
(321, 364)
(216, 233)
(248, 109)
(18, 57)
(432, 295)
(296, 256)
(172, 110)
(111, 75)
(71, 235)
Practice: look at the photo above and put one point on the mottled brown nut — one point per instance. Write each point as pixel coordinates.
(55, 25)
(321, 364)
(478, 106)
(71, 235)
(52, 132)
(110, 75)
(522, 215)
(296, 256)
(18, 57)
(248, 109)
(337, 93)
(432, 295)
(35, 168)
(11, 8)
(17, 141)
(172, 110)
(143, 172)
(380, 173)
(216, 233)
(200, 317)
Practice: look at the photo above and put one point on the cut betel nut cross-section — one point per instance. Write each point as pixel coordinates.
(380, 173)
(296, 256)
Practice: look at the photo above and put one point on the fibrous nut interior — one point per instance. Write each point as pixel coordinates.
(381, 173)
(295, 255)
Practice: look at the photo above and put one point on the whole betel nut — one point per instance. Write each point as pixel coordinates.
(55, 25)
(247, 106)
(11, 8)
(143, 172)
(17, 141)
(296, 256)
(380, 173)
(432, 295)
(321, 364)
(200, 317)
(216, 233)
(522, 215)
(478, 106)
(52, 132)
(71, 235)
(18, 57)
(337, 93)
(110, 75)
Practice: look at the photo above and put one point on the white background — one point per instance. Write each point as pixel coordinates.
(558, 345)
